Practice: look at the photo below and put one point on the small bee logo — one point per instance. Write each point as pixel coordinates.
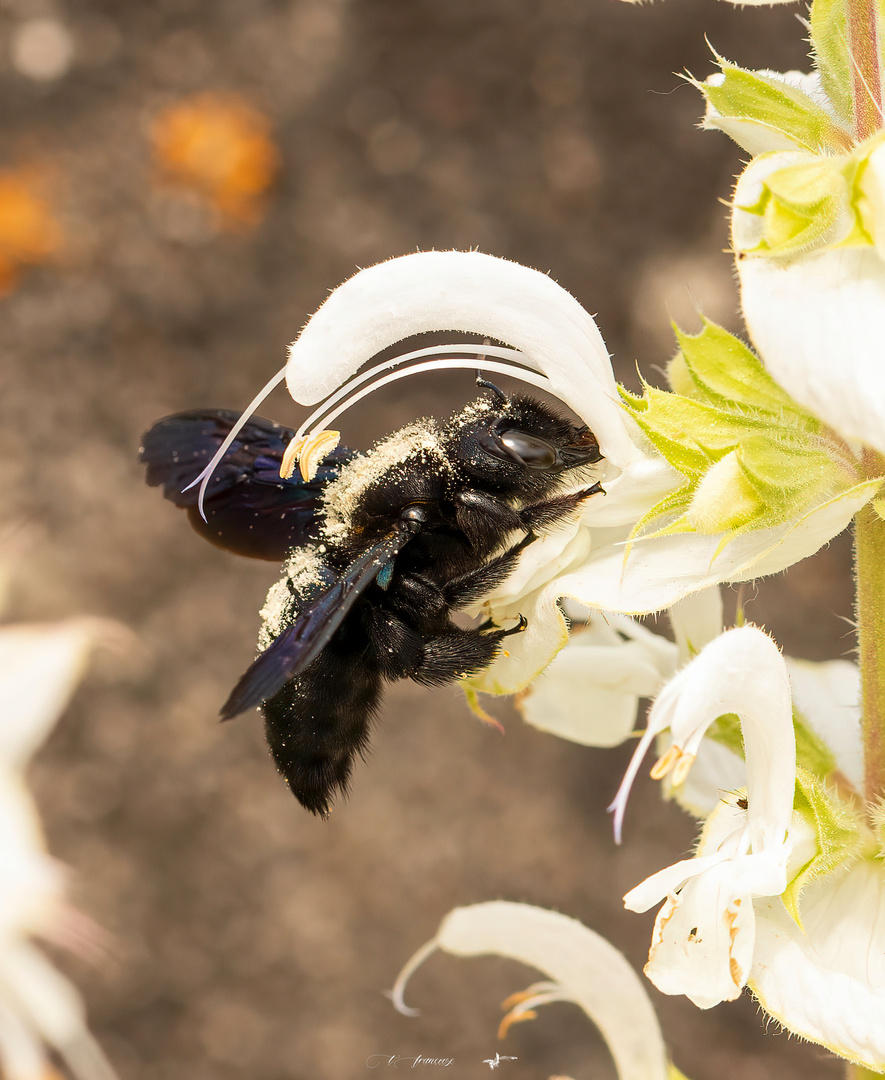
(494, 1062)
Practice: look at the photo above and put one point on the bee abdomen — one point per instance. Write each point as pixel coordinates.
(318, 723)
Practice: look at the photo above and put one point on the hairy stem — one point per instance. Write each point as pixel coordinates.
(869, 561)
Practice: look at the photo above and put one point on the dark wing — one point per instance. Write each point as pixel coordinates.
(291, 652)
(249, 509)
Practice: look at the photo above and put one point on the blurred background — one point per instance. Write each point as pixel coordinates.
(181, 184)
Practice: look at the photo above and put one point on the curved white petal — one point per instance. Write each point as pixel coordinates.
(817, 321)
(584, 966)
(827, 983)
(475, 293)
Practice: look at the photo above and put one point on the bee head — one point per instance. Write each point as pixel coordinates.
(518, 442)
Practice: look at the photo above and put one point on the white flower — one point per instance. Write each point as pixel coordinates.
(39, 668)
(581, 966)
(559, 349)
(704, 934)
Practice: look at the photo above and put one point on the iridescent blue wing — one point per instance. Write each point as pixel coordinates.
(299, 644)
(249, 509)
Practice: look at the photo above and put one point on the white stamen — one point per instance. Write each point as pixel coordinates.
(471, 348)
(534, 378)
(412, 965)
(206, 475)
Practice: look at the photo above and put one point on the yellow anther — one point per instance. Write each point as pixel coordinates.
(307, 452)
(664, 764)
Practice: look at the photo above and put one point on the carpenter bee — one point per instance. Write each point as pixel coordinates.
(378, 551)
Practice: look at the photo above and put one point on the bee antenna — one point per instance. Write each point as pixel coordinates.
(497, 391)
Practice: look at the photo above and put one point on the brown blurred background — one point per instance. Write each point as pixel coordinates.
(250, 940)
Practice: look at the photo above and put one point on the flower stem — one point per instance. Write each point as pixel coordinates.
(869, 562)
(866, 79)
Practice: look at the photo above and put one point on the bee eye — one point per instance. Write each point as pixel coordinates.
(529, 450)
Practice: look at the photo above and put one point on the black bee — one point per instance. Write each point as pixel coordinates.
(379, 550)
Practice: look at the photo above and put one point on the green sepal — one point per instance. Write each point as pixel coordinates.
(839, 830)
(690, 434)
(752, 97)
(829, 43)
(726, 372)
(800, 204)
(878, 506)
(783, 473)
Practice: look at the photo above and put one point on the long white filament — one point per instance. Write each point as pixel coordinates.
(471, 348)
(340, 401)
(454, 364)
(206, 475)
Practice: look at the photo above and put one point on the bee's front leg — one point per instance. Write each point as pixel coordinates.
(483, 519)
(541, 515)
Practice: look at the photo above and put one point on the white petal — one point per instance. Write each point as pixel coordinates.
(524, 656)
(475, 293)
(661, 571)
(590, 692)
(39, 668)
(586, 968)
(828, 696)
(52, 1006)
(696, 621)
(828, 983)
(702, 945)
(818, 322)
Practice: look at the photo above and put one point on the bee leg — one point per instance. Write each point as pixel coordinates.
(483, 519)
(457, 653)
(478, 583)
(550, 511)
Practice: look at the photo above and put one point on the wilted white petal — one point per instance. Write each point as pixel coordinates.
(827, 695)
(585, 968)
(590, 692)
(475, 293)
(827, 984)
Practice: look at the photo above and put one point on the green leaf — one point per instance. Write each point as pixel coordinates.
(728, 372)
(839, 834)
(752, 96)
(829, 43)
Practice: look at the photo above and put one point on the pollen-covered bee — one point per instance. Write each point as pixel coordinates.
(378, 551)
